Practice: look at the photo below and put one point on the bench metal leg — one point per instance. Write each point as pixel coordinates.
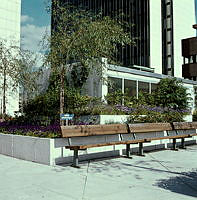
(128, 151)
(182, 143)
(75, 159)
(174, 145)
(141, 149)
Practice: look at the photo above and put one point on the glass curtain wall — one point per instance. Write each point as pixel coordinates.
(130, 87)
(136, 12)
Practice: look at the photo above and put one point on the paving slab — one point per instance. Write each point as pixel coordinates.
(161, 175)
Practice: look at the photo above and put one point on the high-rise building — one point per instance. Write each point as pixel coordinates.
(159, 26)
(10, 12)
(170, 22)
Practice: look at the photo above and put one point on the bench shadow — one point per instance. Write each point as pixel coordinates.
(185, 184)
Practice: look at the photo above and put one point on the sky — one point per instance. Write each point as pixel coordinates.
(35, 21)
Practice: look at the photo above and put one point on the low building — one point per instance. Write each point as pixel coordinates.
(131, 80)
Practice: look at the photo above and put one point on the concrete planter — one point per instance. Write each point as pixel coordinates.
(102, 119)
(110, 119)
(51, 151)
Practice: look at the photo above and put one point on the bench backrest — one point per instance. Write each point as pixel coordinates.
(90, 130)
(111, 129)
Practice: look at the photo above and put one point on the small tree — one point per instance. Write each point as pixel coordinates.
(81, 36)
(172, 94)
(14, 70)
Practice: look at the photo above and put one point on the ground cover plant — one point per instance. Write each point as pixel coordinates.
(50, 131)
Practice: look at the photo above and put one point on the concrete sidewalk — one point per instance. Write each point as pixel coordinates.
(163, 175)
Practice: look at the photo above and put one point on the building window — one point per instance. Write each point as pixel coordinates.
(114, 84)
(153, 87)
(143, 87)
(130, 87)
(194, 58)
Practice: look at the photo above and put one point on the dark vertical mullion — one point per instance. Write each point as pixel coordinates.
(122, 7)
(140, 33)
(130, 22)
(116, 10)
(172, 40)
(136, 27)
(137, 23)
(133, 20)
(146, 24)
(125, 19)
(148, 34)
(145, 40)
(163, 9)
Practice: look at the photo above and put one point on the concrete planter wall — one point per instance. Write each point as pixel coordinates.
(107, 119)
(102, 119)
(51, 151)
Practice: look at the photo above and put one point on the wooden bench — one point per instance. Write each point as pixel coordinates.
(89, 136)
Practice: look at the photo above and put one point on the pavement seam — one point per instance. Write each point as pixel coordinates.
(86, 178)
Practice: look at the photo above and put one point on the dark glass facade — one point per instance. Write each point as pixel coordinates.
(135, 12)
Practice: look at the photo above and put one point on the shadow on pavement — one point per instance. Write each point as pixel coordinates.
(184, 184)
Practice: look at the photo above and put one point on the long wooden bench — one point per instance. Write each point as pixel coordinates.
(88, 136)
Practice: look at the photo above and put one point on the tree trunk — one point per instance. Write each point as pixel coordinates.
(4, 95)
(62, 95)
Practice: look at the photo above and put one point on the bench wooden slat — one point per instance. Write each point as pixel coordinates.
(184, 125)
(89, 130)
(110, 129)
(149, 127)
(81, 147)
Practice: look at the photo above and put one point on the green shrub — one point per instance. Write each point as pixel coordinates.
(171, 93)
(114, 98)
(167, 116)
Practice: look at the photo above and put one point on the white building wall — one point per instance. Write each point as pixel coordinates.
(10, 12)
(156, 36)
(184, 18)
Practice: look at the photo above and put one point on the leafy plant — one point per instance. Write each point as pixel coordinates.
(171, 93)
(115, 97)
(81, 36)
(16, 67)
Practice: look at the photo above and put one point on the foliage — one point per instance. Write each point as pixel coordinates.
(115, 97)
(11, 127)
(142, 109)
(6, 117)
(146, 114)
(195, 93)
(81, 36)
(195, 116)
(171, 93)
(47, 104)
(15, 70)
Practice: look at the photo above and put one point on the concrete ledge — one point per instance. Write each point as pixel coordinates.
(6, 144)
(51, 151)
